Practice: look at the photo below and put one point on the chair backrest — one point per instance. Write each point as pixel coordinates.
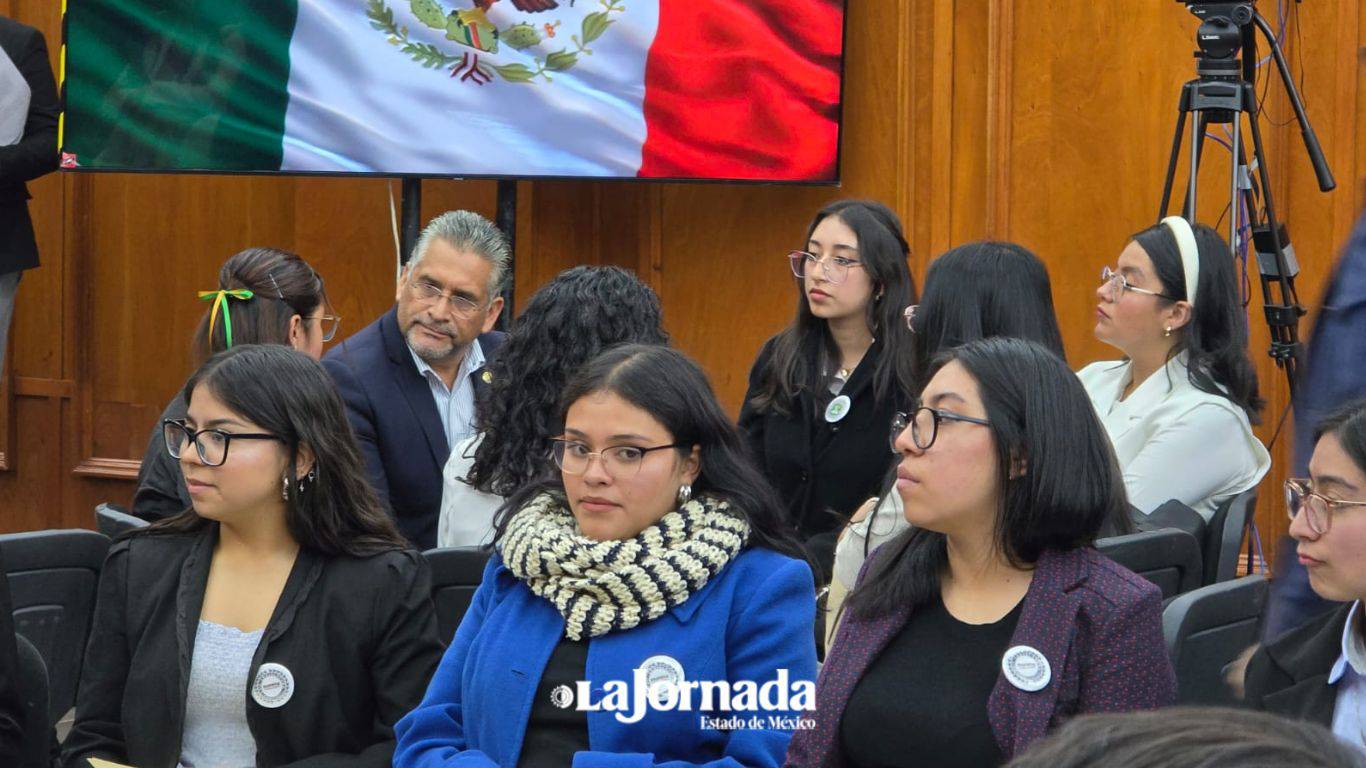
(33, 688)
(1224, 536)
(1206, 630)
(1168, 558)
(456, 573)
(53, 577)
(112, 520)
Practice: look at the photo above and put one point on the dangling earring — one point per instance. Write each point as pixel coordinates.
(684, 494)
(306, 481)
(1168, 331)
(284, 487)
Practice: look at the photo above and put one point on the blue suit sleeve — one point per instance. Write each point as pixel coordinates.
(433, 735)
(771, 632)
(361, 413)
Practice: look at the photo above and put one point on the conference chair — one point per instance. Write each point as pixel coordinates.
(1224, 536)
(1206, 630)
(53, 577)
(456, 573)
(34, 689)
(111, 520)
(1169, 558)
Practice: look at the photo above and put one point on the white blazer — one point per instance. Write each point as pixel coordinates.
(466, 512)
(1175, 441)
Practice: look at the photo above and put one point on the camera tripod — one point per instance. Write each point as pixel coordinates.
(1221, 94)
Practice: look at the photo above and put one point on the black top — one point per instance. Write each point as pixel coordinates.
(161, 486)
(923, 700)
(824, 470)
(36, 152)
(358, 635)
(554, 734)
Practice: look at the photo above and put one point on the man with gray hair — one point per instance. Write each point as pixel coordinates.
(409, 379)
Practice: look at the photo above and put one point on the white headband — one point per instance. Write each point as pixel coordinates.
(1190, 253)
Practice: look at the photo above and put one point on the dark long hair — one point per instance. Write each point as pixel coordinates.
(289, 395)
(980, 290)
(566, 323)
(1216, 336)
(283, 285)
(1348, 425)
(664, 383)
(1071, 487)
(804, 351)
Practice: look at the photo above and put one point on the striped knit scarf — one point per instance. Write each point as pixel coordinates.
(604, 586)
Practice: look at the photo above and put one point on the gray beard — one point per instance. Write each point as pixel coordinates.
(430, 355)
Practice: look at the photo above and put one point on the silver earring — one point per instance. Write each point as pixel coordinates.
(684, 494)
(284, 488)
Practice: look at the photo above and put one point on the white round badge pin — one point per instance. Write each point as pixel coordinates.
(837, 409)
(1026, 668)
(273, 686)
(661, 670)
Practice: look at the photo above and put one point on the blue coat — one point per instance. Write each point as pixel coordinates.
(751, 619)
(392, 411)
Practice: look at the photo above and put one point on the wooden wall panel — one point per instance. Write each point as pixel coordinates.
(971, 118)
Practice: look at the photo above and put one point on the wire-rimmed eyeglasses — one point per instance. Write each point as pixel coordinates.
(1318, 509)
(835, 268)
(619, 461)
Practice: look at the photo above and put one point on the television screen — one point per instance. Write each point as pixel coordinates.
(668, 89)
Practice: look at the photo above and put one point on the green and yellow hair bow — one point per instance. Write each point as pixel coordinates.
(220, 304)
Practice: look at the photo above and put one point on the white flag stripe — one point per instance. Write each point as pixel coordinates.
(357, 103)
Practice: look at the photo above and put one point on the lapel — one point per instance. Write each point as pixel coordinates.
(857, 644)
(1310, 699)
(189, 601)
(416, 391)
(1165, 383)
(1047, 624)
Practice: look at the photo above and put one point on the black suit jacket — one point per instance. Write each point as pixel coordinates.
(36, 152)
(1290, 675)
(358, 634)
(396, 422)
(824, 471)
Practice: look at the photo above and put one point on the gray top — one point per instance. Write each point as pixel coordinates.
(216, 733)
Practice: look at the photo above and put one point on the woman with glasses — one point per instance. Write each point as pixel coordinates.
(1318, 671)
(822, 391)
(280, 620)
(993, 608)
(264, 296)
(566, 323)
(975, 291)
(1171, 305)
(653, 564)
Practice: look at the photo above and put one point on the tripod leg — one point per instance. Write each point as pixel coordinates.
(1176, 151)
(1197, 144)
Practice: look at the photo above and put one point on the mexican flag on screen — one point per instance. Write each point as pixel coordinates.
(613, 88)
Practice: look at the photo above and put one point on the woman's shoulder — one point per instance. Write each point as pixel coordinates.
(1102, 370)
(1115, 587)
(754, 566)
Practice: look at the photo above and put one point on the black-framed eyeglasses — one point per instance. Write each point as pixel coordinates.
(924, 425)
(1118, 284)
(428, 293)
(835, 268)
(1318, 509)
(212, 444)
(328, 325)
(619, 461)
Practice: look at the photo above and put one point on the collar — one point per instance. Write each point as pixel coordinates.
(474, 360)
(1353, 648)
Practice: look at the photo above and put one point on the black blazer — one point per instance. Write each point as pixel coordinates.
(36, 152)
(1290, 675)
(823, 471)
(358, 634)
(397, 425)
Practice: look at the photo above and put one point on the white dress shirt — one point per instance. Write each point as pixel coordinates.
(455, 404)
(466, 512)
(1173, 440)
(1349, 677)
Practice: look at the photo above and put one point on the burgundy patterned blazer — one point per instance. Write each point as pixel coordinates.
(1098, 624)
